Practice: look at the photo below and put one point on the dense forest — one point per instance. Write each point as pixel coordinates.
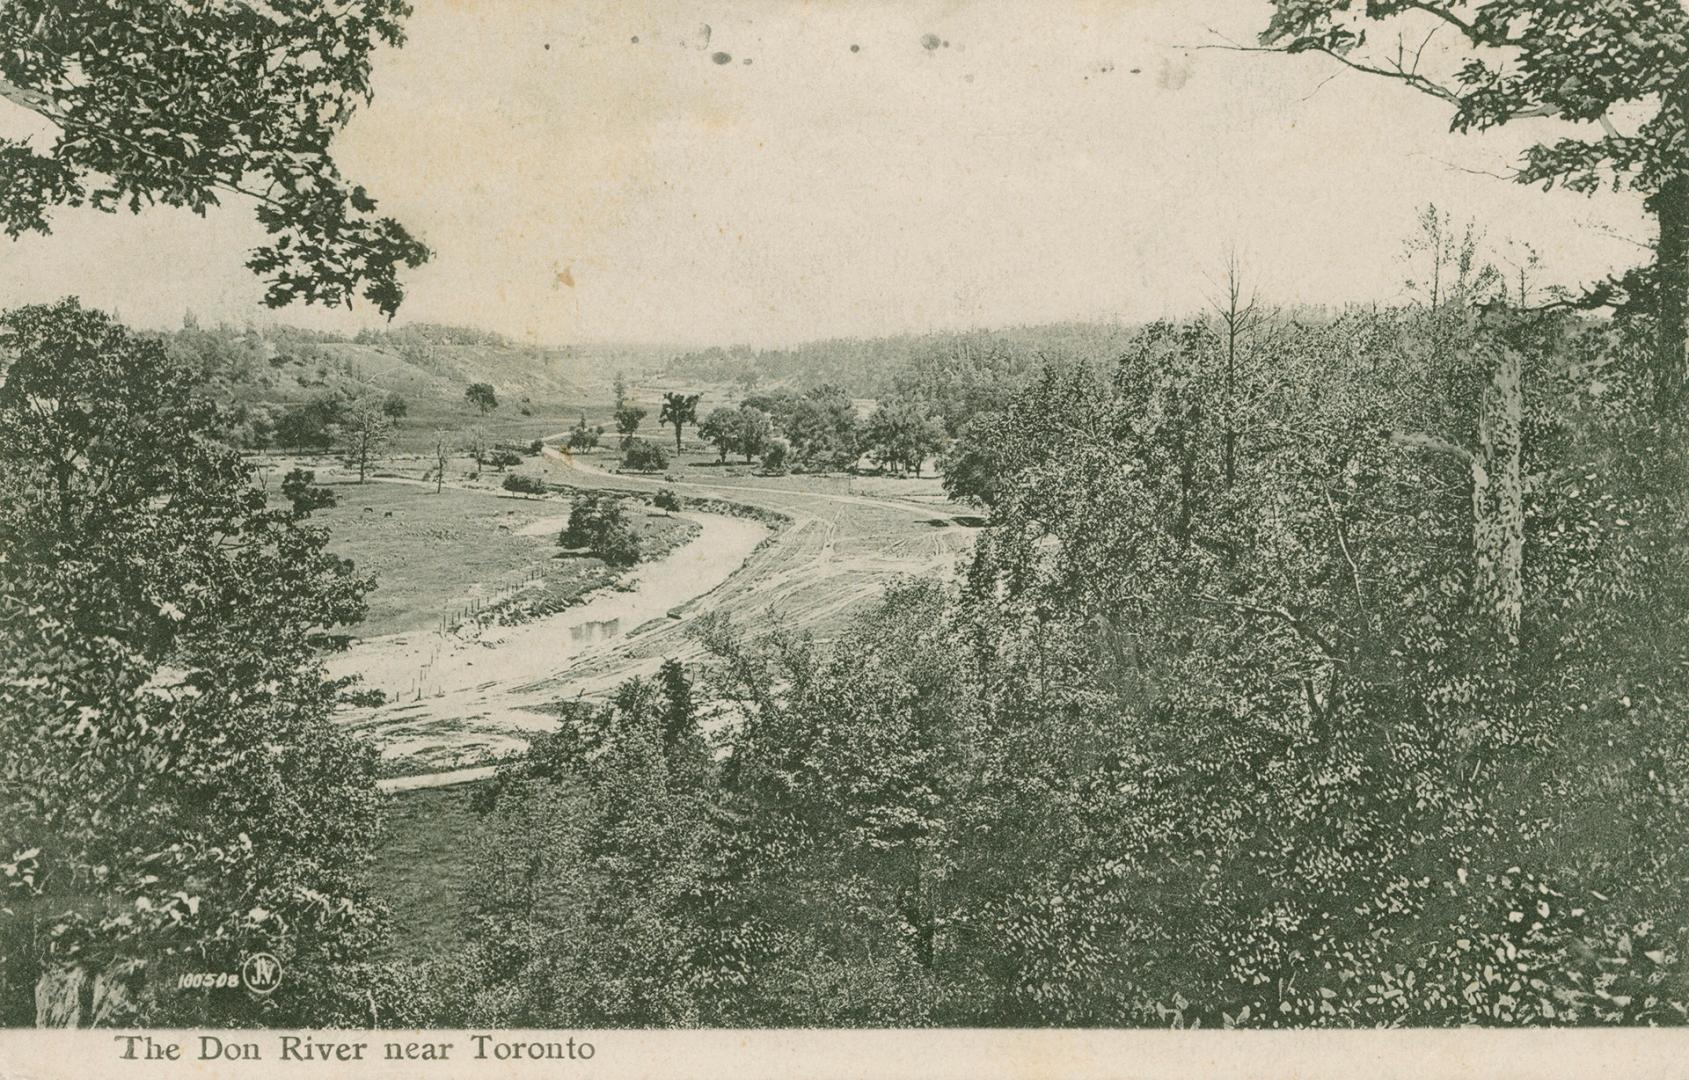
(1330, 680)
(1309, 667)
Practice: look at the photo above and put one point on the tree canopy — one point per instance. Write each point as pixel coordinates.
(179, 796)
(186, 104)
(1566, 59)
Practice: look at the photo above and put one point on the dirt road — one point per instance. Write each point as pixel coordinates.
(462, 704)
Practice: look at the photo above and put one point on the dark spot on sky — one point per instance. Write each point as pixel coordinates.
(747, 61)
(930, 42)
(636, 39)
(856, 48)
(1137, 71)
(722, 58)
(946, 44)
(548, 46)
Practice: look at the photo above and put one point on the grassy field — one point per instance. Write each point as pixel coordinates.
(443, 557)
(424, 868)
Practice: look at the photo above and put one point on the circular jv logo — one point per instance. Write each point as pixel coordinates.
(261, 973)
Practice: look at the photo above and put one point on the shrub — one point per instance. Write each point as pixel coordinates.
(646, 456)
(582, 437)
(597, 523)
(666, 499)
(530, 485)
(536, 447)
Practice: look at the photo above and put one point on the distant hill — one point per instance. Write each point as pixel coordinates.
(875, 367)
(417, 362)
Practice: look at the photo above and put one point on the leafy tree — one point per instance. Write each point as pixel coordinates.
(822, 428)
(774, 458)
(598, 524)
(720, 431)
(739, 430)
(901, 435)
(582, 437)
(395, 408)
(666, 499)
(184, 797)
(778, 404)
(1548, 58)
(972, 374)
(597, 924)
(364, 427)
(628, 419)
(252, 101)
(752, 431)
(311, 425)
(481, 396)
(503, 457)
(679, 410)
(646, 456)
(972, 466)
(678, 707)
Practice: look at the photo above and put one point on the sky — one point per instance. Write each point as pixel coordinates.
(772, 171)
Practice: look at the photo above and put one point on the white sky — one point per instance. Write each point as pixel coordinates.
(1022, 173)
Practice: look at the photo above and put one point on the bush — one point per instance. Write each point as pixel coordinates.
(503, 458)
(646, 456)
(597, 523)
(774, 460)
(536, 447)
(530, 485)
(666, 499)
(582, 437)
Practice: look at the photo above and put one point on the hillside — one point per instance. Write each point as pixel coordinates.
(419, 362)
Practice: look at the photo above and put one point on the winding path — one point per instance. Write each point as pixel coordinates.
(466, 702)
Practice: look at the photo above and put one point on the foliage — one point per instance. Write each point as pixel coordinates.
(481, 396)
(251, 102)
(628, 419)
(741, 430)
(901, 434)
(582, 437)
(176, 795)
(528, 485)
(311, 425)
(1549, 58)
(598, 524)
(678, 410)
(646, 456)
(1224, 725)
(821, 428)
(666, 499)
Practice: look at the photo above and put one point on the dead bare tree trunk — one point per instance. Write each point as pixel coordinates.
(1498, 495)
(1498, 490)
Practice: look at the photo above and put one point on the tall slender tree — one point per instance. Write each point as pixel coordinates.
(679, 410)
